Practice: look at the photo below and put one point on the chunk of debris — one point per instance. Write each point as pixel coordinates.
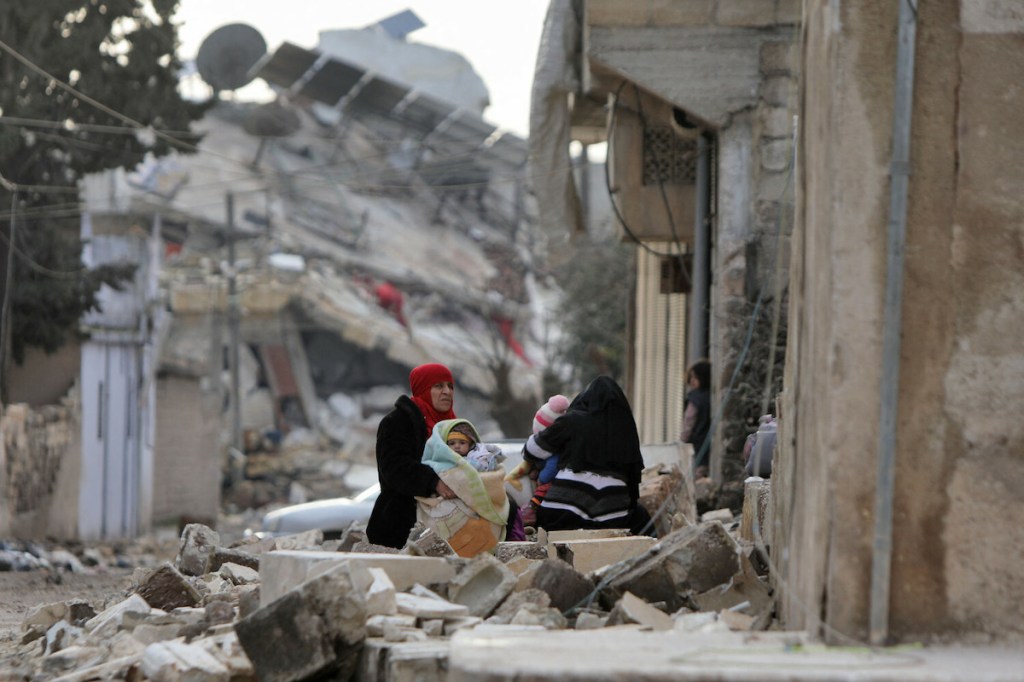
(566, 586)
(169, 661)
(316, 628)
(506, 552)
(237, 574)
(380, 597)
(481, 585)
(632, 609)
(166, 588)
(756, 497)
(198, 543)
(426, 542)
(690, 560)
(510, 607)
(221, 556)
(425, 607)
(722, 515)
(670, 491)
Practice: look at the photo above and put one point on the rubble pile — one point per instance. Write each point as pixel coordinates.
(296, 607)
(17, 555)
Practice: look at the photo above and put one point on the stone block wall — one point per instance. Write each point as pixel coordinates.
(35, 444)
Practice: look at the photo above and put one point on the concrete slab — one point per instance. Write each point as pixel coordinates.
(280, 571)
(620, 654)
(588, 555)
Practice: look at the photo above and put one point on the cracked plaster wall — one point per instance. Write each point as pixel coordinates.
(959, 523)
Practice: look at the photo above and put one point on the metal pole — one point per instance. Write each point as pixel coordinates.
(699, 287)
(881, 558)
(236, 411)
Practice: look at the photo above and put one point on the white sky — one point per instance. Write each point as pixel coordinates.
(499, 39)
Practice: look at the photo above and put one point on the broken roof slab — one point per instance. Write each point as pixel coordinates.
(709, 71)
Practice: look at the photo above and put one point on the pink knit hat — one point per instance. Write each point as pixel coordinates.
(554, 408)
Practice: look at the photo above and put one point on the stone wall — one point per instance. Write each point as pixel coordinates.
(958, 544)
(187, 453)
(36, 444)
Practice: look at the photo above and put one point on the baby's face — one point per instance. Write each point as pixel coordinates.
(461, 447)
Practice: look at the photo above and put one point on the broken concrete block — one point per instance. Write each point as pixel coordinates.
(425, 607)
(149, 634)
(512, 603)
(71, 658)
(506, 552)
(395, 633)
(722, 515)
(690, 560)
(698, 622)
(380, 597)
(218, 612)
(453, 625)
(428, 543)
(544, 616)
(316, 628)
(253, 545)
(114, 669)
(166, 588)
(736, 621)
(422, 591)
(587, 620)
(108, 621)
(482, 585)
(62, 635)
(172, 661)
(669, 488)
(743, 592)
(248, 599)
(375, 623)
(226, 648)
(310, 539)
(585, 534)
(566, 586)
(221, 556)
(425, 661)
(197, 545)
(588, 555)
(434, 627)
(756, 497)
(283, 570)
(632, 609)
(237, 574)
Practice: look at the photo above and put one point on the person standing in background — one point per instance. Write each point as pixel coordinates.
(697, 416)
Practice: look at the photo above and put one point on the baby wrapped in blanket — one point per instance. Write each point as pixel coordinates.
(474, 521)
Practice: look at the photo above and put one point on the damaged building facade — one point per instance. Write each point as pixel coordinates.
(895, 506)
(695, 101)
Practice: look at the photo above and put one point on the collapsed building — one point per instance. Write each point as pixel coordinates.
(291, 271)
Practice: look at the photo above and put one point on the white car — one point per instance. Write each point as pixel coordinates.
(336, 514)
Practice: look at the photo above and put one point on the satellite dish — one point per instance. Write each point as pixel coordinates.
(227, 56)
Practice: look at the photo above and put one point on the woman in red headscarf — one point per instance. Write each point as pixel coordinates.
(400, 439)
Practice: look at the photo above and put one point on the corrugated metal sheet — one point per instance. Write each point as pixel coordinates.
(659, 362)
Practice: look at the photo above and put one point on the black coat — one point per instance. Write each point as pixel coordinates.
(400, 439)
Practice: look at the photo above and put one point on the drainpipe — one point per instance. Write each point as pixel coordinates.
(881, 561)
(699, 286)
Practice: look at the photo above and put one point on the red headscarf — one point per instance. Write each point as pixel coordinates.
(421, 379)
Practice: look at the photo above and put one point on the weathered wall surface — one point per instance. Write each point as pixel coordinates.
(37, 446)
(44, 378)
(958, 555)
(187, 453)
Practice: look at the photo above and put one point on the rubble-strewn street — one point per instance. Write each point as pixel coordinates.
(571, 605)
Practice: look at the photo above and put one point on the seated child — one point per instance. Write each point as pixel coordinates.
(463, 440)
(542, 472)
